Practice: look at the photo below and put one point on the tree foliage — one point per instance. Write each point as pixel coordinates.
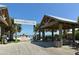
(36, 27)
(78, 19)
(15, 27)
(77, 35)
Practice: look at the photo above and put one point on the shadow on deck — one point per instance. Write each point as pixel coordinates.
(43, 44)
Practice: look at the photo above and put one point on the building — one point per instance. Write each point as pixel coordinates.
(8, 25)
(52, 23)
(5, 21)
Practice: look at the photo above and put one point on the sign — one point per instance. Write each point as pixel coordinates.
(27, 22)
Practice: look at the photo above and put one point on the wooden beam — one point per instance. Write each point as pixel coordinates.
(60, 33)
(51, 24)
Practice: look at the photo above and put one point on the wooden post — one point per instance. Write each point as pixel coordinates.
(73, 34)
(39, 35)
(43, 35)
(52, 35)
(2, 33)
(64, 33)
(16, 34)
(60, 33)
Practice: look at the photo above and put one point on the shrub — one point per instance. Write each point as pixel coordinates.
(77, 35)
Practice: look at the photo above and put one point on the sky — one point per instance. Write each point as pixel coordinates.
(36, 11)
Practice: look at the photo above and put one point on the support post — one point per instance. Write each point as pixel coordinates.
(73, 35)
(16, 34)
(65, 33)
(2, 33)
(60, 34)
(52, 35)
(43, 35)
(39, 35)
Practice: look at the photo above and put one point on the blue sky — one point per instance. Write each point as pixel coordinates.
(37, 11)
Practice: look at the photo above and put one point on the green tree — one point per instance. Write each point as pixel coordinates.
(18, 27)
(78, 19)
(77, 34)
(36, 27)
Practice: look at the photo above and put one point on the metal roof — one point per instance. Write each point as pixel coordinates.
(63, 19)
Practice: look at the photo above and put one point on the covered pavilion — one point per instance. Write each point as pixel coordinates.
(53, 23)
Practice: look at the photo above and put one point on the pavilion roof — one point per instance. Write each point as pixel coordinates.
(52, 22)
(62, 19)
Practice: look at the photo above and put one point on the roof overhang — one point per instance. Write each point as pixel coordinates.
(52, 22)
(5, 15)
